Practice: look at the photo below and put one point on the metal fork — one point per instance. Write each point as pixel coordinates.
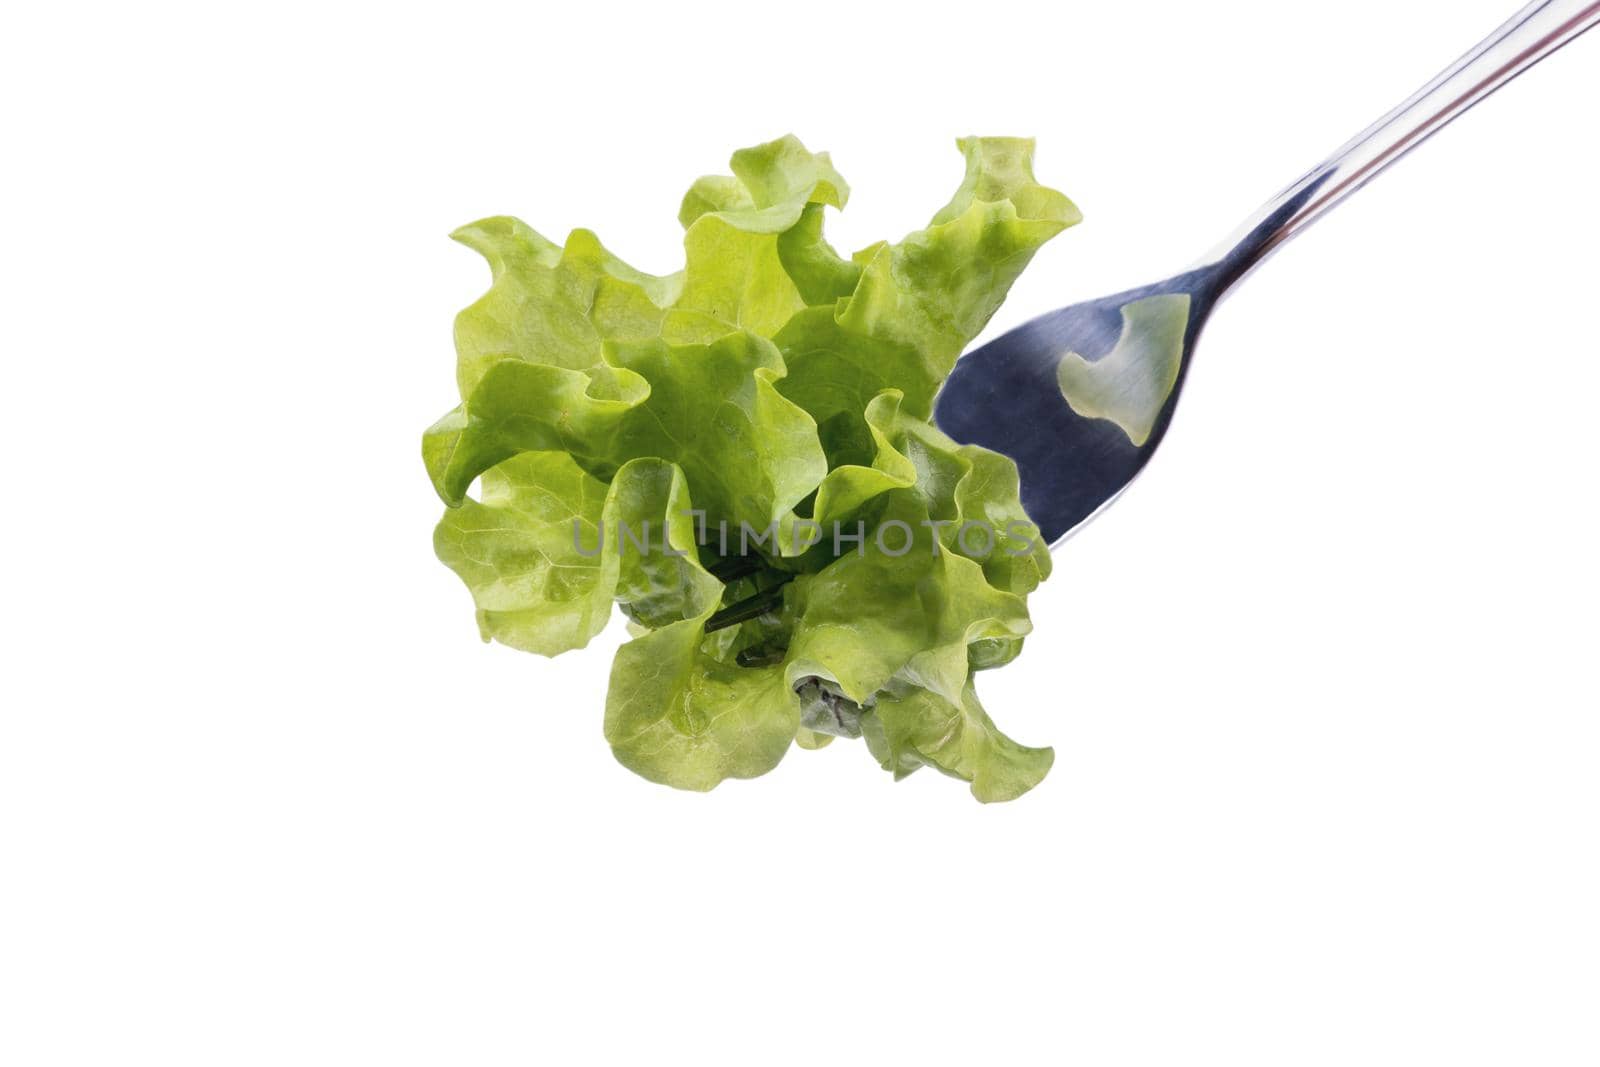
(1081, 397)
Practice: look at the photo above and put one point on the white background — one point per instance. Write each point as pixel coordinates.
(1322, 687)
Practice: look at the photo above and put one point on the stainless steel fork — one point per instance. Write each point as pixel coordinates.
(1081, 397)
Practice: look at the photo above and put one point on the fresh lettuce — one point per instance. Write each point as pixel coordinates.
(740, 455)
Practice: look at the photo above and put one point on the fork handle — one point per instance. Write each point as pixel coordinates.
(1533, 33)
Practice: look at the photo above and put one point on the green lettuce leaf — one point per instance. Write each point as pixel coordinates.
(896, 608)
(970, 494)
(530, 407)
(751, 454)
(896, 639)
(915, 305)
(648, 519)
(548, 548)
(680, 716)
(681, 444)
(552, 305)
(711, 408)
(520, 552)
(910, 727)
(732, 227)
